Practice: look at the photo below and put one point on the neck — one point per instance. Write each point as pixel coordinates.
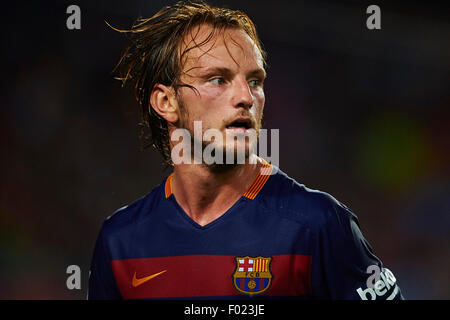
(205, 193)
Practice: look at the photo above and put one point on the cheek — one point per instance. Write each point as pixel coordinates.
(210, 95)
(259, 103)
(202, 106)
(202, 100)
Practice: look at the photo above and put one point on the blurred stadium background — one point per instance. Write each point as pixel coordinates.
(363, 115)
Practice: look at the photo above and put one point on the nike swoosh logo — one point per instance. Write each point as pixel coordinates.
(137, 282)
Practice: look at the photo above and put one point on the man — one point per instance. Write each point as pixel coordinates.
(222, 230)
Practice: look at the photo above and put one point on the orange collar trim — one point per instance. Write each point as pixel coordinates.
(168, 186)
(260, 181)
(253, 190)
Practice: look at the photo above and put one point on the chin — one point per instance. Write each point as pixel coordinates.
(239, 153)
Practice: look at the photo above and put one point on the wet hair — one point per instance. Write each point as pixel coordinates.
(156, 55)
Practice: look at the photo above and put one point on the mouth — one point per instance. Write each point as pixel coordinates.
(240, 124)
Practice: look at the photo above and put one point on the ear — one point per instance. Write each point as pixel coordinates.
(163, 101)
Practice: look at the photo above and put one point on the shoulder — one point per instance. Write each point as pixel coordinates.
(295, 201)
(133, 214)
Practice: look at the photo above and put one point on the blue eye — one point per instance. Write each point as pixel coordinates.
(254, 83)
(217, 81)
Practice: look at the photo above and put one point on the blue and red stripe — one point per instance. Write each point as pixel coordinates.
(207, 276)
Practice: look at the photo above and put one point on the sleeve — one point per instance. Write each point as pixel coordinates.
(102, 284)
(344, 265)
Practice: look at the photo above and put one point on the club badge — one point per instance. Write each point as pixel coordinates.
(252, 275)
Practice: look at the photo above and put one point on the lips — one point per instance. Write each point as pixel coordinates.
(241, 124)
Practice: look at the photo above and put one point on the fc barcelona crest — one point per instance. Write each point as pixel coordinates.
(252, 275)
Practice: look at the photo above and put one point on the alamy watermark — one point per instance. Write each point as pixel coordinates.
(73, 21)
(74, 279)
(373, 22)
(213, 147)
(378, 284)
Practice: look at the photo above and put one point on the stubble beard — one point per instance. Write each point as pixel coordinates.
(224, 165)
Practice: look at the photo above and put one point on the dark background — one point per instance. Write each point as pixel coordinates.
(363, 115)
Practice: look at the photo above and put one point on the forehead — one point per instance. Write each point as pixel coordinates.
(230, 47)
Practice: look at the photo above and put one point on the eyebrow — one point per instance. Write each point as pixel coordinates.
(260, 72)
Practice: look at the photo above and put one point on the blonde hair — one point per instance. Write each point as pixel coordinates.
(154, 56)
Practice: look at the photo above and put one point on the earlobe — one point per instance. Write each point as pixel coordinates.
(163, 101)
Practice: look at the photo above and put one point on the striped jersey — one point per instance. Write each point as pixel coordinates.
(279, 240)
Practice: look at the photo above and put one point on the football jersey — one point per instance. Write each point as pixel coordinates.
(279, 240)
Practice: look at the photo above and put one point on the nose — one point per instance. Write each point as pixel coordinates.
(242, 95)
